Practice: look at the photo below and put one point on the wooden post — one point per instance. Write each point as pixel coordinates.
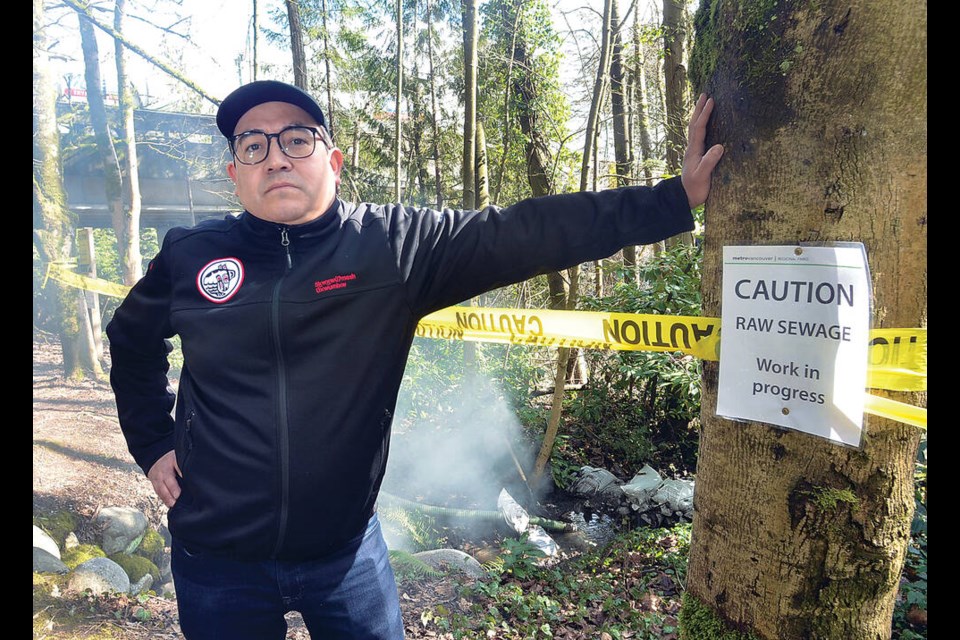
(87, 266)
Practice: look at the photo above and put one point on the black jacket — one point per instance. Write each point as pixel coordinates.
(295, 340)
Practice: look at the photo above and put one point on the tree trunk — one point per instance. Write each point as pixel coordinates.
(674, 82)
(328, 75)
(469, 9)
(434, 117)
(483, 192)
(517, 9)
(675, 93)
(254, 37)
(538, 176)
(296, 45)
(127, 225)
(640, 105)
(470, 19)
(53, 221)
(621, 142)
(599, 87)
(822, 109)
(398, 101)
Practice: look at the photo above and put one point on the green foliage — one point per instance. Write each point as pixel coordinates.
(646, 402)
(57, 525)
(518, 558)
(418, 529)
(525, 597)
(78, 555)
(699, 622)
(407, 566)
(136, 566)
(912, 594)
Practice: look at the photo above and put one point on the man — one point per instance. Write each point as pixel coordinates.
(295, 321)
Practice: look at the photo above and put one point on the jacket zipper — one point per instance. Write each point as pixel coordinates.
(282, 426)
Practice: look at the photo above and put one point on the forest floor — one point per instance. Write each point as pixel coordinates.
(81, 463)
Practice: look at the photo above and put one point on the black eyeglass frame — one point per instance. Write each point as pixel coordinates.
(319, 132)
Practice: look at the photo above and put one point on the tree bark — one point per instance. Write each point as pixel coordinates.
(599, 88)
(483, 192)
(398, 101)
(822, 110)
(538, 176)
(254, 37)
(675, 93)
(54, 223)
(435, 114)
(328, 74)
(469, 12)
(621, 142)
(674, 82)
(470, 19)
(126, 226)
(296, 45)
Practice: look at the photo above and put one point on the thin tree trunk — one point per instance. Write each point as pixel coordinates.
(398, 101)
(483, 193)
(435, 114)
(675, 92)
(823, 112)
(255, 38)
(470, 11)
(640, 106)
(127, 224)
(518, 12)
(470, 18)
(296, 45)
(599, 88)
(538, 176)
(621, 143)
(328, 74)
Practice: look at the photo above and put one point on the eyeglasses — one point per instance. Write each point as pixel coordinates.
(253, 147)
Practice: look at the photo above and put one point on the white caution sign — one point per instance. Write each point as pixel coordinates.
(795, 331)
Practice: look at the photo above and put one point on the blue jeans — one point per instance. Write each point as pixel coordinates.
(349, 595)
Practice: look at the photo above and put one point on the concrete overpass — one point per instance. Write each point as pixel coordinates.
(182, 159)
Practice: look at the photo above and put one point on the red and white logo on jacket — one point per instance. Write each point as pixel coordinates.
(220, 279)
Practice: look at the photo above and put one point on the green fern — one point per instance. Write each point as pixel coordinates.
(407, 566)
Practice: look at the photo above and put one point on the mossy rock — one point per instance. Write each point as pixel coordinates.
(151, 547)
(80, 554)
(57, 525)
(136, 566)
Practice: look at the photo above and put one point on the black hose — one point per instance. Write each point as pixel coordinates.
(410, 505)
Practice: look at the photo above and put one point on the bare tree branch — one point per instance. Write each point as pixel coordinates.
(163, 66)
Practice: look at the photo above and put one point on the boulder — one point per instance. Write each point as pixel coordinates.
(123, 529)
(99, 575)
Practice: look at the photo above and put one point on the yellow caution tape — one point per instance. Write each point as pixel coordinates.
(897, 360)
(63, 274)
(898, 357)
(692, 335)
(899, 411)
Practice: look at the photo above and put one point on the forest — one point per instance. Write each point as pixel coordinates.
(821, 108)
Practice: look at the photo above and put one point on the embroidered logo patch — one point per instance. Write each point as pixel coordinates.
(220, 279)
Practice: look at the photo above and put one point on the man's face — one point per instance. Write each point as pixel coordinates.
(281, 189)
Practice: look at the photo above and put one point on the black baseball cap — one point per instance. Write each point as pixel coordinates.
(250, 95)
